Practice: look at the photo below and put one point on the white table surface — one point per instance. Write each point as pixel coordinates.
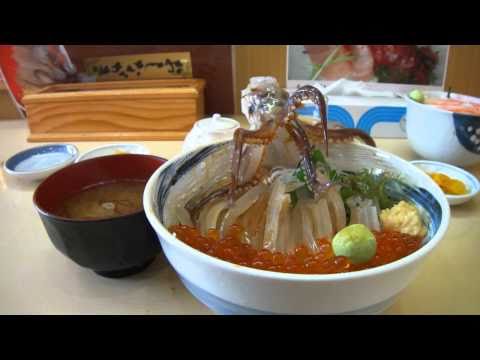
(37, 279)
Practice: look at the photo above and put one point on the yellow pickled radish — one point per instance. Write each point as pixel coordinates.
(448, 185)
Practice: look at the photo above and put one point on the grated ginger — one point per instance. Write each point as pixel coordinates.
(404, 218)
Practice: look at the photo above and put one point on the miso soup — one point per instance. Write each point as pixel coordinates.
(105, 200)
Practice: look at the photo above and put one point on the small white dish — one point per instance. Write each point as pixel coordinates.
(38, 163)
(114, 149)
(470, 181)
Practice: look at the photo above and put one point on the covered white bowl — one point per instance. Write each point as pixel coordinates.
(442, 135)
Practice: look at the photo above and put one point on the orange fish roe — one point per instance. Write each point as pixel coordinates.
(391, 246)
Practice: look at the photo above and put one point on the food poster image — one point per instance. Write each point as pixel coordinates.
(392, 64)
(367, 82)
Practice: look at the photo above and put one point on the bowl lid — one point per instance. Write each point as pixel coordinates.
(217, 123)
(114, 149)
(40, 159)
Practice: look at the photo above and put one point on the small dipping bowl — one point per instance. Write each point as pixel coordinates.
(38, 163)
(112, 247)
(470, 181)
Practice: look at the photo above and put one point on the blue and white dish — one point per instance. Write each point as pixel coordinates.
(228, 288)
(40, 162)
(470, 181)
(114, 149)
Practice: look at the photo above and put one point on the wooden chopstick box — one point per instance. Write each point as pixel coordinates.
(118, 110)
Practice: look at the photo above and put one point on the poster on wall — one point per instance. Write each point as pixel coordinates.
(364, 84)
(385, 65)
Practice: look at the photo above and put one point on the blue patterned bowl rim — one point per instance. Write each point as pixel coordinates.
(157, 187)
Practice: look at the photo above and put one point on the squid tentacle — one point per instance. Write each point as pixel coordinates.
(269, 125)
(300, 137)
(339, 134)
(194, 210)
(262, 136)
(301, 140)
(352, 133)
(311, 93)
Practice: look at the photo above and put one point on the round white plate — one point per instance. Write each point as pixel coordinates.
(470, 181)
(114, 149)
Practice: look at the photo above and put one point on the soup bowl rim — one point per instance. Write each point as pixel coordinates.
(149, 200)
(82, 163)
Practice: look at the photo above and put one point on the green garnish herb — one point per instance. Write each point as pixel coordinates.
(300, 174)
(364, 184)
(317, 156)
(318, 160)
(367, 185)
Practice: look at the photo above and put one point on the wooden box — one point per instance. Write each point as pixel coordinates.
(118, 110)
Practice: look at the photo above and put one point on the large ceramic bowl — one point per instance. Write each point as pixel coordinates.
(227, 288)
(441, 135)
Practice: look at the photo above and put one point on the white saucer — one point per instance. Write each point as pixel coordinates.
(114, 149)
(40, 162)
(470, 181)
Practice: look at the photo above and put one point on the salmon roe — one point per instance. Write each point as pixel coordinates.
(391, 246)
